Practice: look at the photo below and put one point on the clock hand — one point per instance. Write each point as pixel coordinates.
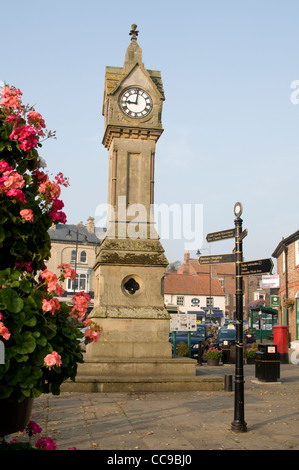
(136, 101)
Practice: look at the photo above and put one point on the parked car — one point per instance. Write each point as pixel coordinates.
(195, 338)
(226, 336)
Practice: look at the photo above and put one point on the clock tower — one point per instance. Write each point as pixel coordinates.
(130, 265)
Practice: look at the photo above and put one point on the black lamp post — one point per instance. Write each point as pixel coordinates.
(239, 424)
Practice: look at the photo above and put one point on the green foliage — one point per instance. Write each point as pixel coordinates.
(182, 349)
(29, 206)
(213, 353)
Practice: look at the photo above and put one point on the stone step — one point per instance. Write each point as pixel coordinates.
(135, 367)
(105, 384)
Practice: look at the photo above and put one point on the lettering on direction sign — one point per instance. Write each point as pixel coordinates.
(258, 266)
(223, 235)
(215, 259)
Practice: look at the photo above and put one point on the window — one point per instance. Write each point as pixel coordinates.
(73, 256)
(180, 300)
(210, 302)
(79, 284)
(83, 257)
(222, 283)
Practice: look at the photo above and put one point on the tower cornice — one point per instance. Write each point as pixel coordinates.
(130, 132)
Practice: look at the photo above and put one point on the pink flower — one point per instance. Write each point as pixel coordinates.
(12, 180)
(51, 305)
(53, 359)
(45, 443)
(51, 190)
(17, 194)
(35, 119)
(11, 97)
(67, 271)
(80, 301)
(27, 214)
(32, 428)
(51, 280)
(4, 166)
(92, 333)
(24, 265)
(4, 331)
(59, 290)
(26, 137)
(61, 179)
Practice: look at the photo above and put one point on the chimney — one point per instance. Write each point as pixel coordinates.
(90, 224)
(186, 263)
(187, 257)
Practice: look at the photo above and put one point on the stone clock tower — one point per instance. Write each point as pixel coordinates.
(134, 345)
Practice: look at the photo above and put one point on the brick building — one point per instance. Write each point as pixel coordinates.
(287, 255)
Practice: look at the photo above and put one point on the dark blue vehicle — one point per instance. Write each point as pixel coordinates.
(195, 337)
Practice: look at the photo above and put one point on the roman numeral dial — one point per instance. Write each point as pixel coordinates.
(135, 102)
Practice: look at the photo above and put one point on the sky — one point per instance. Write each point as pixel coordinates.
(230, 71)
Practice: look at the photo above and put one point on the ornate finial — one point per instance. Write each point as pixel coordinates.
(134, 32)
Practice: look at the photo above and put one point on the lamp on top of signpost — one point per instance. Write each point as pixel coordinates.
(238, 209)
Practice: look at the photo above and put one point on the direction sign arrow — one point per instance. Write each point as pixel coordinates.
(258, 266)
(215, 259)
(223, 235)
(243, 234)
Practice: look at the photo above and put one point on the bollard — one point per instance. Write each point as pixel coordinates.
(228, 383)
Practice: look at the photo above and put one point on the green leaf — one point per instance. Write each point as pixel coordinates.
(42, 341)
(25, 343)
(11, 300)
(30, 321)
(2, 234)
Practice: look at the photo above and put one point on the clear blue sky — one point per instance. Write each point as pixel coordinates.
(231, 130)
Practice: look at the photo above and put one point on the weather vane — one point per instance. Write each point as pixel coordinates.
(134, 32)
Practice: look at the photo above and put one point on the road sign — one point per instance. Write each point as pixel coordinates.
(215, 259)
(243, 234)
(223, 235)
(258, 266)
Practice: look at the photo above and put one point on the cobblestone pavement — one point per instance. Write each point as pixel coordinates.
(182, 421)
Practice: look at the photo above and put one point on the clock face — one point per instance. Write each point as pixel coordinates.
(135, 102)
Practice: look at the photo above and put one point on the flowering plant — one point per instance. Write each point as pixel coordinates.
(31, 430)
(40, 334)
(213, 353)
(289, 303)
(256, 303)
(251, 352)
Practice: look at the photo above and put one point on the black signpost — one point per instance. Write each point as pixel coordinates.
(239, 424)
(242, 269)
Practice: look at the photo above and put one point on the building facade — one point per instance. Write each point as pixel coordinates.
(77, 246)
(187, 293)
(287, 255)
(225, 273)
